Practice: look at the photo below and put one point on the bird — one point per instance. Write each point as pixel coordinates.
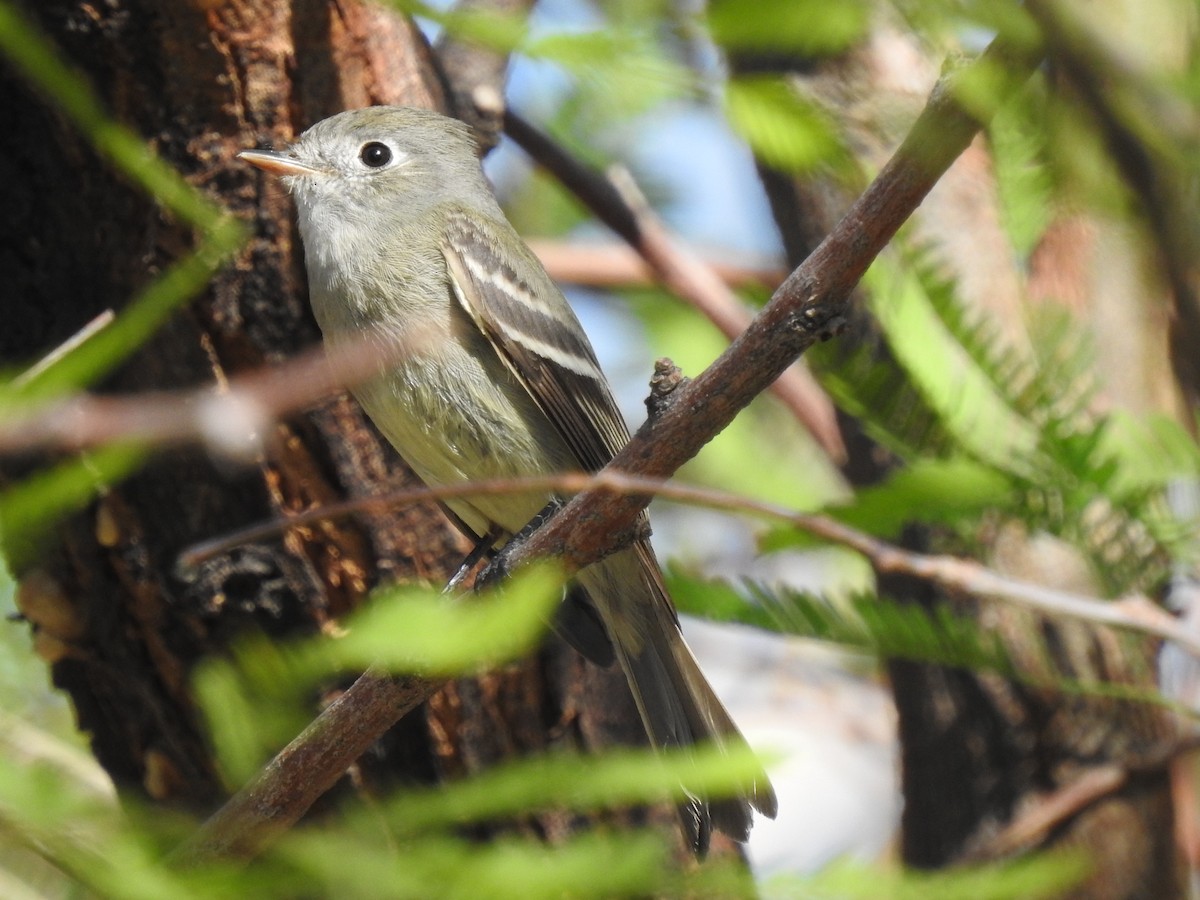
(491, 376)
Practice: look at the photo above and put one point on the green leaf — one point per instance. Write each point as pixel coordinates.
(413, 630)
(969, 404)
(402, 629)
(493, 29)
(934, 491)
(29, 510)
(437, 865)
(582, 783)
(1027, 879)
(785, 130)
(1023, 179)
(947, 634)
(803, 27)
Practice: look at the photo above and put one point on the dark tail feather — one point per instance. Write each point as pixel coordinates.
(677, 705)
(707, 721)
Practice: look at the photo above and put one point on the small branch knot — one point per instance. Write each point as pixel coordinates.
(666, 379)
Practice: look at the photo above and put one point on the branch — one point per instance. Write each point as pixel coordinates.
(1035, 825)
(809, 306)
(613, 265)
(954, 574)
(617, 203)
(233, 420)
(305, 769)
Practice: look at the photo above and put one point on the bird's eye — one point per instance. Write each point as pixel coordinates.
(375, 154)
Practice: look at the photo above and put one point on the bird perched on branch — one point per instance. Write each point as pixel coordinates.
(491, 376)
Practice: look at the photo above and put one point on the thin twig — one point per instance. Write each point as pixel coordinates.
(74, 342)
(953, 573)
(1035, 825)
(614, 265)
(231, 420)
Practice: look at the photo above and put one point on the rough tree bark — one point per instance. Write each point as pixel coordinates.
(201, 81)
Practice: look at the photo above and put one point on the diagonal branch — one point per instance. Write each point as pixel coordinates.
(954, 574)
(617, 202)
(809, 306)
(306, 768)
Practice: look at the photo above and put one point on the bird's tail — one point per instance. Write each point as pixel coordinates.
(677, 704)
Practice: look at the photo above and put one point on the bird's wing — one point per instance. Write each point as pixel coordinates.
(536, 335)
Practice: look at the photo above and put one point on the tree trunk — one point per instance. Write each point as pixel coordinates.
(201, 81)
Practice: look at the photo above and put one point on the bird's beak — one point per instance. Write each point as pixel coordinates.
(277, 163)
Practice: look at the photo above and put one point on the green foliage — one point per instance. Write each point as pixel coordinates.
(407, 629)
(883, 628)
(342, 865)
(1046, 876)
(954, 491)
(29, 510)
(783, 128)
(622, 66)
(803, 27)
(1018, 426)
(864, 623)
(1025, 185)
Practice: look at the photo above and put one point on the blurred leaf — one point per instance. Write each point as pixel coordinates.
(945, 491)
(411, 630)
(616, 778)
(437, 865)
(951, 381)
(864, 622)
(630, 66)
(803, 27)
(1028, 879)
(945, 634)
(1024, 183)
(28, 510)
(953, 491)
(402, 629)
(266, 684)
(785, 130)
(1150, 451)
(715, 599)
(493, 29)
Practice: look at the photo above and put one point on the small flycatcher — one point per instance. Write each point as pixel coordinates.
(406, 245)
